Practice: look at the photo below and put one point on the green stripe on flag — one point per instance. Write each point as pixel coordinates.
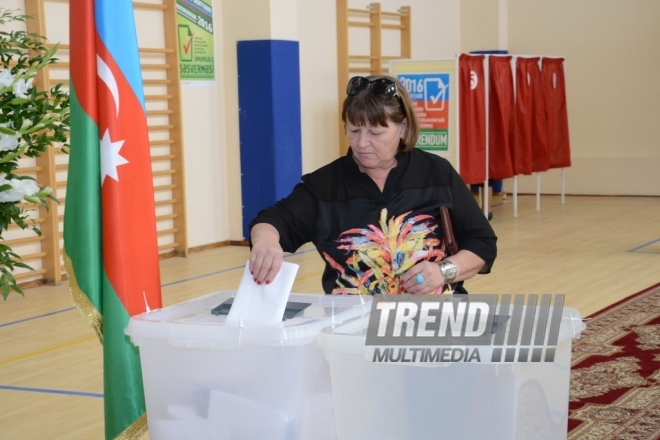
(122, 373)
(82, 218)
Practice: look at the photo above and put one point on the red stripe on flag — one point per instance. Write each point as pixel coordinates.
(130, 242)
(82, 31)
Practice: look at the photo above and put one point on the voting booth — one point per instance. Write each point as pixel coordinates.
(204, 379)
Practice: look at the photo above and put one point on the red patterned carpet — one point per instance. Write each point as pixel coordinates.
(615, 376)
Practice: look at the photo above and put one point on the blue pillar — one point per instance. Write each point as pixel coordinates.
(269, 118)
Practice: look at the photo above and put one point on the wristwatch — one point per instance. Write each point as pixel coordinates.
(449, 271)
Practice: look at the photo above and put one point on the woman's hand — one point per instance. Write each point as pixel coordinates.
(267, 254)
(467, 262)
(427, 272)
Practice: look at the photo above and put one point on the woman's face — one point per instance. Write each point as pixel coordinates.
(375, 146)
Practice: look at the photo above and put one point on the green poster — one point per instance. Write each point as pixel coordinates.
(195, 32)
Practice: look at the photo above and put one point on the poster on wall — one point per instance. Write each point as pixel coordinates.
(195, 38)
(432, 88)
(430, 94)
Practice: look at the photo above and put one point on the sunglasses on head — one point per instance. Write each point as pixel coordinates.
(382, 87)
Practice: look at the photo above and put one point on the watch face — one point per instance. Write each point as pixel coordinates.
(449, 271)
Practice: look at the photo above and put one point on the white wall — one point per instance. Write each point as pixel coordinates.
(480, 25)
(206, 166)
(318, 82)
(612, 55)
(435, 35)
(612, 85)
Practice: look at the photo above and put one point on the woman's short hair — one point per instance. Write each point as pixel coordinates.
(366, 108)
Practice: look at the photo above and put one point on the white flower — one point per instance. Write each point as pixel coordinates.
(19, 189)
(27, 123)
(6, 79)
(7, 141)
(21, 87)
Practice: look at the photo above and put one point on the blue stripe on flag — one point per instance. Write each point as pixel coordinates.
(118, 14)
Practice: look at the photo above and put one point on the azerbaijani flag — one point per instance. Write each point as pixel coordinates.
(110, 240)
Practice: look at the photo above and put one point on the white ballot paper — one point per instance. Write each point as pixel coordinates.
(234, 417)
(262, 305)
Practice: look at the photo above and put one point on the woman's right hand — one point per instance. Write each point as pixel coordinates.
(267, 254)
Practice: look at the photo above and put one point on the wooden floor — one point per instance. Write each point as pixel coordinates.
(594, 250)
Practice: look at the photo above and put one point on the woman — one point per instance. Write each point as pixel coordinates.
(374, 213)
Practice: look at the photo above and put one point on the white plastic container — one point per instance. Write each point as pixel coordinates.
(504, 401)
(205, 380)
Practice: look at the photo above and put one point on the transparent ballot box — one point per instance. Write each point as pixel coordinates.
(207, 380)
(411, 395)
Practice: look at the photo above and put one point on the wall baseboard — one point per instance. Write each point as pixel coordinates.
(239, 243)
(208, 246)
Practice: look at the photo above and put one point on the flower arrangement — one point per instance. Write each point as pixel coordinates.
(31, 120)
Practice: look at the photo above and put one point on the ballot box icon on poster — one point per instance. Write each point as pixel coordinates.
(435, 94)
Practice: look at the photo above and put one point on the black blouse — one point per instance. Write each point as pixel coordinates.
(368, 238)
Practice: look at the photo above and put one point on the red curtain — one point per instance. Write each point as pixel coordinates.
(540, 157)
(472, 118)
(501, 117)
(554, 90)
(527, 72)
